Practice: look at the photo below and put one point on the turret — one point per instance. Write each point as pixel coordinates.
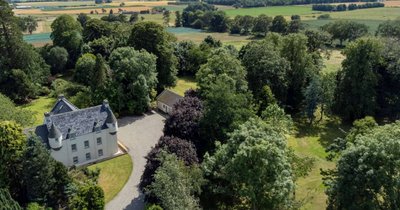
(111, 120)
(55, 137)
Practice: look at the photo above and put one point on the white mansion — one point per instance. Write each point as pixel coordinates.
(78, 136)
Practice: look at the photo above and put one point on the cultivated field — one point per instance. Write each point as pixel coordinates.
(387, 3)
(270, 11)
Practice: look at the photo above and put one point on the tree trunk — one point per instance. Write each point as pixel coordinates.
(322, 113)
(341, 42)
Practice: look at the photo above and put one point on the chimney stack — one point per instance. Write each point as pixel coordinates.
(105, 103)
(60, 97)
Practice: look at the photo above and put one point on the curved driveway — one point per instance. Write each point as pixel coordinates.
(139, 134)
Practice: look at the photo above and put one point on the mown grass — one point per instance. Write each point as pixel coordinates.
(39, 107)
(311, 141)
(334, 62)
(184, 84)
(56, 3)
(114, 174)
(270, 11)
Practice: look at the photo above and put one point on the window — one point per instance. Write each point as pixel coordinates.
(72, 136)
(88, 156)
(100, 152)
(87, 144)
(61, 107)
(76, 160)
(99, 141)
(56, 139)
(114, 125)
(73, 148)
(97, 129)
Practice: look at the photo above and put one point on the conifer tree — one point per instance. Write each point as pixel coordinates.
(39, 169)
(7, 202)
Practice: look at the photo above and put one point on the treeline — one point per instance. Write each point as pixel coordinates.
(344, 7)
(263, 3)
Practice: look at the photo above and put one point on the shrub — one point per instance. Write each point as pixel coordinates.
(325, 16)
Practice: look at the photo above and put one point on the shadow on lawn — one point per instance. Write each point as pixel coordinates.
(327, 130)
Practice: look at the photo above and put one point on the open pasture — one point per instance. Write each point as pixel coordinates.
(372, 24)
(56, 3)
(270, 11)
(76, 10)
(387, 3)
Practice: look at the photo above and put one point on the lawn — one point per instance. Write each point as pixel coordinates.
(114, 174)
(40, 106)
(56, 3)
(334, 62)
(184, 84)
(311, 141)
(270, 11)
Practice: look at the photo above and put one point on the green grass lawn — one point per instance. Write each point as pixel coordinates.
(311, 141)
(40, 106)
(372, 24)
(114, 174)
(84, 8)
(184, 84)
(270, 11)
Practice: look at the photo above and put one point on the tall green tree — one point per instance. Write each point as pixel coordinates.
(98, 80)
(95, 29)
(311, 98)
(345, 30)
(23, 117)
(128, 66)
(154, 39)
(89, 197)
(62, 180)
(178, 19)
(225, 109)
(30, 23)
(84, 68)
(294, 50)
(13, 143)
(265, 66)
(356, 94)
(253, 166)
(222, 66)
(262, 24)
(58, 61)
(279, 25)
(389, 28)
(7, 202)
(166, 17)
(38, 171)
(367, 172)
(65, 33)
(176, 185)
(82, 18)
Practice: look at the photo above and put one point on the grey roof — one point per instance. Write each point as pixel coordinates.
(63, 106)
(54, 132)
(41, 131)
(110, 116)
(168, 97)
(80, 121)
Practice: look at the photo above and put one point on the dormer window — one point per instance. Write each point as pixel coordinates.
(56, 139)
(72, 136)
(113, 125)
(97, 129)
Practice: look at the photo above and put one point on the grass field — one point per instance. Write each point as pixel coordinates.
(270, 11)
(56, 3)
(184, 84)
(335, 61)
(40, 106)
(114, 174)
(311, 141)
(86, 8)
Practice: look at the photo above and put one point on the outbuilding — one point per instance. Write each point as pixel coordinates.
(166, 100)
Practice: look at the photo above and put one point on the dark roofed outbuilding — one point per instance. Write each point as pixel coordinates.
(167, 99)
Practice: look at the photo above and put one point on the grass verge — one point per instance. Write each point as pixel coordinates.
(114, 174)
(184, 84)
(40, 106)
(311, 141)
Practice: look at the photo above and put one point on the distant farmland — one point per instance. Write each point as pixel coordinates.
(271, 11)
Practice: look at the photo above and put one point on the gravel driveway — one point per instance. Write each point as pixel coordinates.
(139, 134)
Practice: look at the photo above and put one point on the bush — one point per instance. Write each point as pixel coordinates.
(324, 17)
(152, 207)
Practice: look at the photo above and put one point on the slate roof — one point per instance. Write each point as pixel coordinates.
(63, 106)
(168, 97)
(80, 121)
(41, 131)
(110, 117)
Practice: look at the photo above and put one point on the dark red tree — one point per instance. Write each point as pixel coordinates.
(183, 149)
(184, 121)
